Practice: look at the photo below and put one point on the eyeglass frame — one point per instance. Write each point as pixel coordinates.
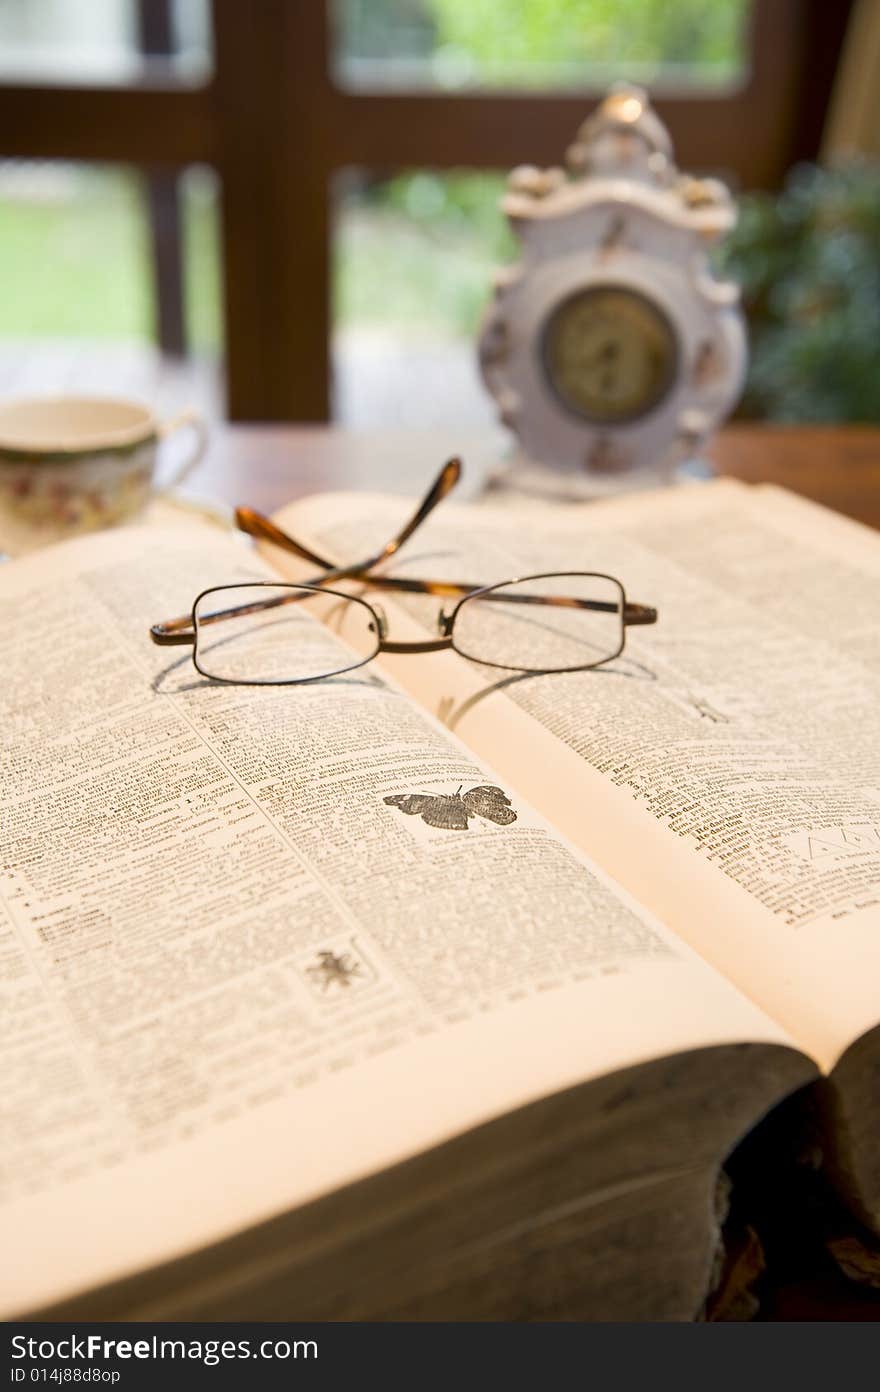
(183, 630)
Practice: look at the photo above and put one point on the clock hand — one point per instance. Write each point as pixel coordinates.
(604, 355)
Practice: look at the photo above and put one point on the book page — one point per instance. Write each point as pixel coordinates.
(237, 972)
(726, 767)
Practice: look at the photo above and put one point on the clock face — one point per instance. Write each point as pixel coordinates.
(610, 354)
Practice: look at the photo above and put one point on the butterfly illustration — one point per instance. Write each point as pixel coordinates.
(452, 812)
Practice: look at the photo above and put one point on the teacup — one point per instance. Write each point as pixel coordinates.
(72, 464)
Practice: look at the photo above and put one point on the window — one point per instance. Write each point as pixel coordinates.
(82, 41)
(78, 308)
(413, 260)
(459, 44)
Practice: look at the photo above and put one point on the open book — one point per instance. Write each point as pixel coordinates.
(275, 1049)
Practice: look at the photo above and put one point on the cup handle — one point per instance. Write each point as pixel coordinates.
(185, 420)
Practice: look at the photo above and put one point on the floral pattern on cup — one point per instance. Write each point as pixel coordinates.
(47, 495)
(39, 505)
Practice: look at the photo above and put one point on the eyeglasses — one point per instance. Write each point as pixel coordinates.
(269, 633)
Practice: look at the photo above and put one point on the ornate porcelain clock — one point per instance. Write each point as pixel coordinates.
(610, 347)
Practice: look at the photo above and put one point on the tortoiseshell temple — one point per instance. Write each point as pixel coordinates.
(255, 524)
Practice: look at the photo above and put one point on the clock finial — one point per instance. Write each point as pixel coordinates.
(623, 135)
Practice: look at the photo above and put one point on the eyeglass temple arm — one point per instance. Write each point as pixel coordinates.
(256, 525)
(457, 589)
(180, 631)
(634, 614)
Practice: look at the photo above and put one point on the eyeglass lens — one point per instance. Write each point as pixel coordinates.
(552, 623)
(281, 633)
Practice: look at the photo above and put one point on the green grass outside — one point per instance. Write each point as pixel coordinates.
(78, 266)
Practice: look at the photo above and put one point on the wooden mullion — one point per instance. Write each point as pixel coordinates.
(824, 34)
(166, 248)
(500, 130)
(144, 123)
(162, 189)
(271, 111)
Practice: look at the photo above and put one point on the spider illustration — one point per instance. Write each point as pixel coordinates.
(334, 969)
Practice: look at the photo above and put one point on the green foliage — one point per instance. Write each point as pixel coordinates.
(544, 42)
(418, 252)
(455, 204)
(75, 263)
(809, 264)
(647, 33)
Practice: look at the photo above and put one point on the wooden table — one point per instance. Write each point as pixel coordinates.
(266, 466)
